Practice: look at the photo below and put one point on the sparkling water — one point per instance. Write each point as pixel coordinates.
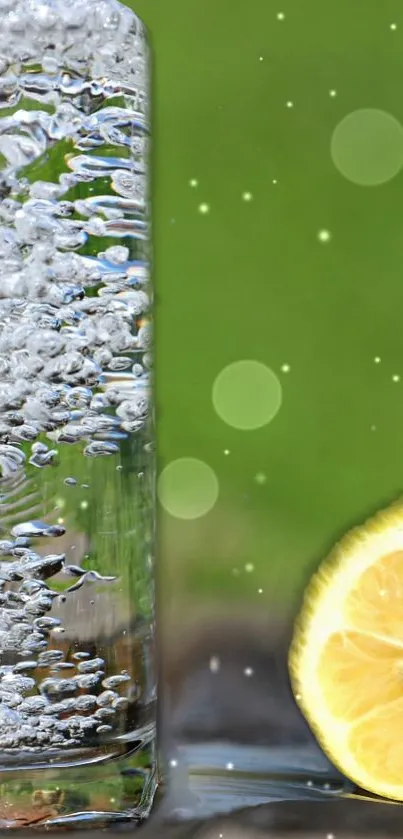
(77, 685)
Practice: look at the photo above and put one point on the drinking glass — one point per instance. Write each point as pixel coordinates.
(77, 672)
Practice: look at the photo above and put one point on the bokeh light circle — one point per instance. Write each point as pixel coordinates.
(247, 394)
(187, 488)
(367, 147)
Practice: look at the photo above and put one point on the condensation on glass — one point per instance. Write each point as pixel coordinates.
(77, 680)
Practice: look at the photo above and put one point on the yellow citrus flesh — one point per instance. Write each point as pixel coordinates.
(346, 657)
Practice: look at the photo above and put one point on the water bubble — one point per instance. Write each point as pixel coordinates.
(112, 682)
(106, 698)
(117, 254)
(120, 704)
(105, 713)
(91, 665)
(100, 448)
(37, 528)
(88, 681)
(50, 657)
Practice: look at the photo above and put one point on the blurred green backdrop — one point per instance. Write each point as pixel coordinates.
(250, 279)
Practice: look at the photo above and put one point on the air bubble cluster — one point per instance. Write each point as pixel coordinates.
(75, 337)
(46, 710)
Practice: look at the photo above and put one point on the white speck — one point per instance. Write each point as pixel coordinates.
(229, 766)
(332, 93)
(382, 592)
(249, 567)
(298, 696)
(226, 451)
(396, 378)
(173, 763)
(204, 208)
(214, 664)
(285, 368)
(247, 196)
(112, 800)
(289, 104)
(329, 835)
(260, 58)
(220, 836)
(280, 16)
(84, 505)
(377, 359)
(260, 591)
(393, 26)
(248, 671)
(260, 478)
(309, 783)
(324, 235)
(193, 182)
(326, 786)
(274, 181)
(60, 521)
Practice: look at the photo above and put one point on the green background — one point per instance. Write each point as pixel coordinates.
(251, 280)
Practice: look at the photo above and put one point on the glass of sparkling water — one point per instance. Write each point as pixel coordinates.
(77, 679)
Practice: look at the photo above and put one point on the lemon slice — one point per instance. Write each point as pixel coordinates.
(346, 657)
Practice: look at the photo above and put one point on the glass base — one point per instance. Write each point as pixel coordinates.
(83, 795)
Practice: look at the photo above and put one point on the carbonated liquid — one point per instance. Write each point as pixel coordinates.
(77, 684)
